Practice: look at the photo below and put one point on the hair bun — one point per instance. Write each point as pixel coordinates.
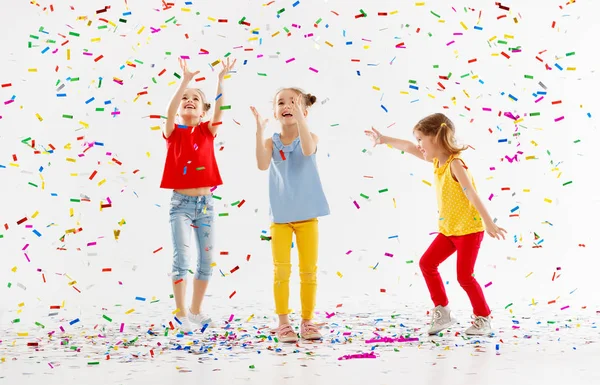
(206, 106)
(312, 99)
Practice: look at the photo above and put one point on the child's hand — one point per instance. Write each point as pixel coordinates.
(494, 231)
(260, 123)
(187, 74)
(298, 109)
(226, 68)
(375, 136)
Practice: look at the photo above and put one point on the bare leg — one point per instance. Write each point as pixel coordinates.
(198, 295)
(179, 293)
(284, 319)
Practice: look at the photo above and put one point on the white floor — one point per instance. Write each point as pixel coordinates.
(566, 351)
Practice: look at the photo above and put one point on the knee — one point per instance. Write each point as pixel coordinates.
(424, 265)
(282, 272)
(465, 279)
(308, 276)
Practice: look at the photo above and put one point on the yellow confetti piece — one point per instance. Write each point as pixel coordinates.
(21, 304)
(329, 44)
(24, 334)
(101, 182)
(518, 121)
(571, 68)
(254, 38)
(249, 318)
(527, 276)
(129, 311)
(212, 18)
(366, 46)
(96, 39)
(140, 30)
(155, 128)
(171, 83)
(506, 36)
(394, 199)
(39, 117)
(431, 96)
(547, 200)
(71, 160)
(73, 174)
(530, 157)
(393, 12)
(404, 92)
(465, 92)
(376, 88)
(68, 54)
(185, 10)
(148, 154)
(492, 38)
(427, 183)
(71, 212)
(526, 190)
(339, 274)
(420, 4)
(14, 269)
(175, 311)
(72, 283)
(464, 26)
(275, 34)
(35, 214)
(84, 124)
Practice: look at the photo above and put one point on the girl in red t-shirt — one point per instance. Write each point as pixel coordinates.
(191, 171)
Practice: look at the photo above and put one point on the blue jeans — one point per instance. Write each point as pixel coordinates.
(192, 215)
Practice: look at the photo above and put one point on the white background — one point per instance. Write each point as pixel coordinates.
(351, 102)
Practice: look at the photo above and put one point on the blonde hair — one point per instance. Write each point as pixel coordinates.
(442, 129)
(205, 105)
(309, 99)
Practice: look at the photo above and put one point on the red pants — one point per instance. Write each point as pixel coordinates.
(467, 247)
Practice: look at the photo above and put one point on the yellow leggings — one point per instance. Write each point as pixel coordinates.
(307, 240)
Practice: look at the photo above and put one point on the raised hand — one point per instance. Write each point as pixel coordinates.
(375, 136)
(260, 123)
(187, 74)
(494, 231)
(227, 67)
(299, 107)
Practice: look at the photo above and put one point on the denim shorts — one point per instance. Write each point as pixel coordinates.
(192, 215)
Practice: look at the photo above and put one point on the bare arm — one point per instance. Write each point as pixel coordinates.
(264, 152)
(217, 113)
(173, 106)
(403, 145)
(308, 140)
(460, 173)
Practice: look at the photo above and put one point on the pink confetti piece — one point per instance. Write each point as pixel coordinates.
(452, 42)
(356, 204)
(564, 307)
(559, 119)
(390, 340)
(355, 356)
(91, 244)
(185, 57)
(488, 284)
(389, 255)
(121, 328)
(313, 70)
(486, 109)
(290, 60)
(490, 197)
(348, 252)
(539, 99)
(230, 318)
(25, 247)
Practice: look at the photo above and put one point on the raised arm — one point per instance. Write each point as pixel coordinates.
(264, 148)
(176, 99)
(215, 123)
(400, 144)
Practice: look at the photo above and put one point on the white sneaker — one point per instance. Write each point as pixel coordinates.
(200, 319)
(185, 325)
(481, 326)
(441, 318)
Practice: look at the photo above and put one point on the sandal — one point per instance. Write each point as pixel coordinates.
(310, 331)
(285, 333)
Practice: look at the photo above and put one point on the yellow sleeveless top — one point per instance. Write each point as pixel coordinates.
(457, 215)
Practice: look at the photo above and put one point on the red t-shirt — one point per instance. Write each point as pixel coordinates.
(190, 161)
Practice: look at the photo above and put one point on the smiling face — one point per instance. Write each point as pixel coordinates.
(192, 104)
(284, 106)
(426, 144)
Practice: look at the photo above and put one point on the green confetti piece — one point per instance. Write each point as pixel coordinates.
(261, 74)
(74, 79)
(412, 81)
(436, 66)
(334, 125)
(100, 83)
(138, 61)
(435, 14)
(123, 20)
(227, 54)
(449, 75)
(282, 10)
(154, 81)
(75, 200)
(275, 339)
(74, 34)
(507, 306)
(225, 108)
(26, 140)
(177, 75)
(100, 109)
(235, 203)
(9, 284)
(168, 53)
(50, 41)
(409, 262)
(577, 141)
(464, 76)
(173, 18)
(318, 21)
(551, 322)
(566, 183)
(67, 116)
(223, 214)
(16, 321)
(502, 42)
(102, 26)
(528, 76)
(166, 332)
(217, 197)
(33, 184)
(157, 300)
(40, 325)
(364, 150)
(534, 114)
(384, 190)
(34, 37)
(200, 168)
(286, 30)
(171, 296)
(107, 318)
(251, 366)
(363, 13)
(570, 53)
(94, 363)
(242, 20)
(364, 196)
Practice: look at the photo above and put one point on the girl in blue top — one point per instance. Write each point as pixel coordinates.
(296, 200)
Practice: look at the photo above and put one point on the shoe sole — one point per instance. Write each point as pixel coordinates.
(445, 326)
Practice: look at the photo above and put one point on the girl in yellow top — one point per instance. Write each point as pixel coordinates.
(462, 219)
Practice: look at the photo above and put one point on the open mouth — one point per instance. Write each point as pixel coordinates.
(287, 115)
(190, 107)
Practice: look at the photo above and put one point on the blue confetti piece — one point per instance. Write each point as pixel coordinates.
(245, 61)
(41, 169)
(140, 298)
(478, 28)
(502, 140)
(413, 87)
(558, 66)
(123, 66)
(45, 50)
(218, 96)
(514, 209)
(385, 109)
(61, 95)
(90, 100)
(37, 233)
(513, 98)
(589, 114)
(74, 321)
(98, 144)
(358, 73)
(128, 13)
(348, 43)
(296, 3)
(184, 170)
(107, 102)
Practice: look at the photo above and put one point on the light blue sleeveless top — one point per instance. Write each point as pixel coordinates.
(295, 190)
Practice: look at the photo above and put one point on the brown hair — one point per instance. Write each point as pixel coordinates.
(309, 99)
(206, 106)
(442, 129)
